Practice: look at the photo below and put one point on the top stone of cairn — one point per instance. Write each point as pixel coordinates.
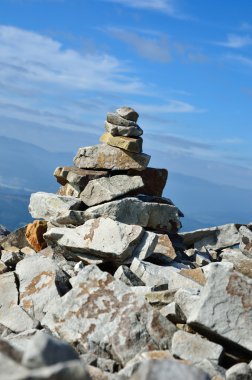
(127, 113)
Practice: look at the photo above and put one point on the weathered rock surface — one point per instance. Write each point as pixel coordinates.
(119, 130)
(186, 301)
(51, 206)
(45, 350)
(101, 315)
(124, 274)
(154, 180)
(77, 178)
(3, 231)
(215, 237)
(115, 118)
(9, 292)
(107, 188)
(232, 297)
(34, 234)
(246, 241)
(103, 237)
(40, 281)
(168, 370)
(127, 113)
(240, 371)
(152, 275)
(15, 239)
(131, 144)
(194, 348)
(108, 157)
(240, 262)
(15, 319)
(134, 211)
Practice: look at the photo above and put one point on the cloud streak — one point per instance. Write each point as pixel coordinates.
(154, 49)
(235, 41)
(168, 7)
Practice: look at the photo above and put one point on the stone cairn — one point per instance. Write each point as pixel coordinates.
(103, 286)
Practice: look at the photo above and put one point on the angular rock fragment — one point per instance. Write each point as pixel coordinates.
(108, 157)
(152, 275)
(107, 188)
(115, 118)
(101, 315)
(15, 239)
(127, 113)
(119, 130)
(9, 292)
(154, 180)
(186, 301)
(130, 144)
(246, 241)
(3, 267)
(194, 348)
(10, 258)
(238, 371)
(45, 350)
(103, 237)
(232, 297)
(75, 180)
(168, 370)
(164, 247)
(133, 211)
(124, 274)
(3, 231)
(219, 237)
(240, 262)
(51, 206)
(146, 247)
(194, 274)
(34, 234)
(15, 319)
(40, 281)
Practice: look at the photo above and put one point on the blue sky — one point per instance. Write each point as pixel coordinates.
(185, 66)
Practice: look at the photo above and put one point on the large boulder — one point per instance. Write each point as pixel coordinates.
(219, 237)
(224, 310)
(108, 188)
(40, 281)
(50, 206)
(102, 237)
(161, 217)
(109, 157)
(103, 316)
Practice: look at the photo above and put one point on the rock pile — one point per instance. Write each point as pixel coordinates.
(104, 286)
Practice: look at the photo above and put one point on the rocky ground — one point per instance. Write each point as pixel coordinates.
(103, 286)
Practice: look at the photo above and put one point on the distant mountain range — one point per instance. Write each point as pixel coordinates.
(26, 168)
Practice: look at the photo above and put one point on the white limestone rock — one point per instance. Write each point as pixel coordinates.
(103, 237)
(226, 293)
(219, 237)
(119, 130)
(110, 158)
(103, 316)
(108, 188)
(52, 207)
(40, 281)
(194, 348)
(246, 241)
(134, 211)
(152, 275)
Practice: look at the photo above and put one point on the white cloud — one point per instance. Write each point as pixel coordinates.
(235, 41)
(155, 48)
(31, 58)
(169, 7)
(173, 106)
(239, 58)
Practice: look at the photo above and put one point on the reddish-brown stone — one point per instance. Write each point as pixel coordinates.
(154, 181)
(34, 234)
